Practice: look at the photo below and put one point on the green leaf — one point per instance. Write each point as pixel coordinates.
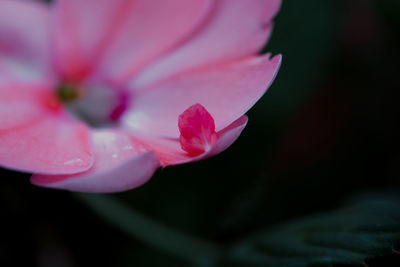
(151, 233)
(348, 236)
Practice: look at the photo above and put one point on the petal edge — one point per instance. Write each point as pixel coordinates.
(120, 164)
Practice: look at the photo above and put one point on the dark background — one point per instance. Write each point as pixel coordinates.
(327, 130)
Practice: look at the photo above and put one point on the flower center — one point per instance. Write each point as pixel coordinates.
(97, 105)
(68, 92)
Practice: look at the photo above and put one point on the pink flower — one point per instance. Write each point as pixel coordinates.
(95, 95)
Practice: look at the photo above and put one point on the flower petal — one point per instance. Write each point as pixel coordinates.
(120, 164)
(20, 104)
(197, 129)
(120, 35)
(235, 29)
(24, 41)
(226, 91)
(36, 136)
(170, 152)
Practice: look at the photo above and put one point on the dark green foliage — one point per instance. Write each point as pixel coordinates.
(351, 235)
(364, 230)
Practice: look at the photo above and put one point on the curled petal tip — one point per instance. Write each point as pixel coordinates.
(197, 129)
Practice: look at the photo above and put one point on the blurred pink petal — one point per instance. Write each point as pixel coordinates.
(234, 29)
(47, 144)
(120, 164)
(36, 136)
(176, 75)
(19, 104)
(24, 41)
(120, 35)
(227, 91)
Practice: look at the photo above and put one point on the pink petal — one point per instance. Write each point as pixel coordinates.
(226, 91)
(20, 104)
(120, 35)
(235, 29)
(36, 136)
(24, 41)
(120, 164)
(228, 136)
(197, 130)
(170, 152)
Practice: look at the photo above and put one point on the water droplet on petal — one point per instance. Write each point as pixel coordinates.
(77, 161)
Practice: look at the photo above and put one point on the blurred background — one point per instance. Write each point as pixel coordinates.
(326, 131)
